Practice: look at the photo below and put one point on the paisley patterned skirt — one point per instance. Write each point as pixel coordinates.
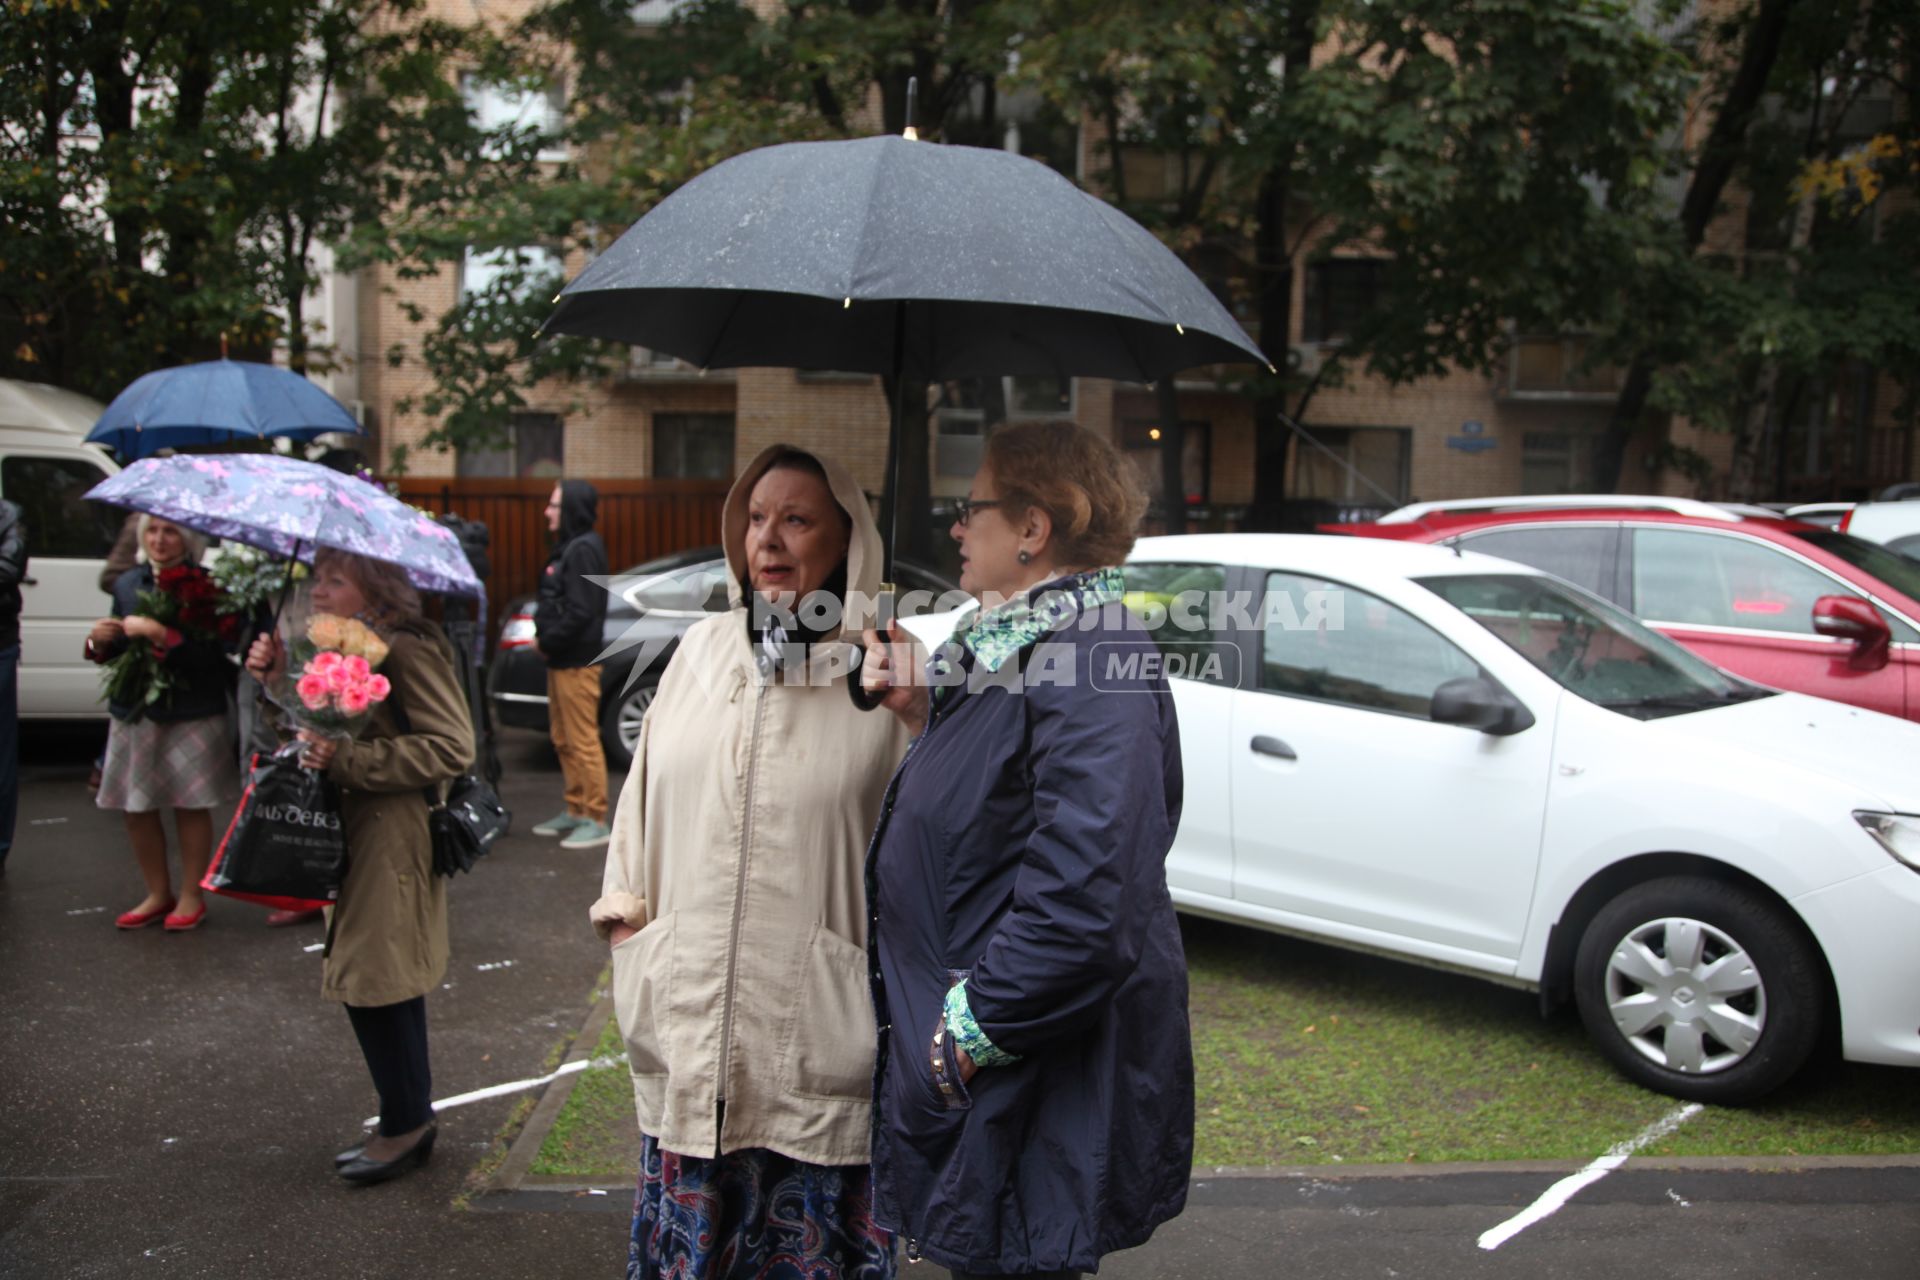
(754, 1215)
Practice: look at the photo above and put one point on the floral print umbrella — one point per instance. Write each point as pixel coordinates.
(290, 507)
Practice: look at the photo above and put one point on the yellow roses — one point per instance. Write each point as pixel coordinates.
(348, 637)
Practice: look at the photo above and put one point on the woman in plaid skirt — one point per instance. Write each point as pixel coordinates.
(170, 753)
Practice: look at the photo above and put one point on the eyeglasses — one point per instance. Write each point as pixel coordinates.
(963, 509)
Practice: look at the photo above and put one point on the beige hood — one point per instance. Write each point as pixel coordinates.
(864, 554)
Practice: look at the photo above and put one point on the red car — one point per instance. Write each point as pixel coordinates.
(1782, 602)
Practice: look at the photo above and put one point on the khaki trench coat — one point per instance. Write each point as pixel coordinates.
(388, 941)
(739, 847)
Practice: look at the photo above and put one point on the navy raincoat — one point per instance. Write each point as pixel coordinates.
(1022, 846)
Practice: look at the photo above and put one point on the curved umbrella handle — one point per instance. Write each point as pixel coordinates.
(857, 691)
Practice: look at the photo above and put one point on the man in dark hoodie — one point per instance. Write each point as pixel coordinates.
(567, 627)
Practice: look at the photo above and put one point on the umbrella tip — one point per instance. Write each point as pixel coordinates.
(1180, 328)
(223, 344)
(911, 133)
(846, 304)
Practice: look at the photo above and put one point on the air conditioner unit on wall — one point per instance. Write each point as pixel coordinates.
(1305, 358)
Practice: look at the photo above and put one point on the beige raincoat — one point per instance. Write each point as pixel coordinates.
(739, 844)
(389, 933)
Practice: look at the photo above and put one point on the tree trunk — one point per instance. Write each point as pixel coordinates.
(1173, 457)
(1718, 157)
(1273, 275)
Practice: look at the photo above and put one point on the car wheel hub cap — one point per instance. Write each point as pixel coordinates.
(1686, 995)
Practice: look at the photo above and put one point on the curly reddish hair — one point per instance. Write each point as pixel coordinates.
(1089, 491)
(390, 597)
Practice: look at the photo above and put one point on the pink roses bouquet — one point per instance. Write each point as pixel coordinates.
(339, 684)
(332, 681)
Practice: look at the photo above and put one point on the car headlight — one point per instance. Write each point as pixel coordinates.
(1898, 834)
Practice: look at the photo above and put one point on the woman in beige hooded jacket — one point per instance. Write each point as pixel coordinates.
(735, 903)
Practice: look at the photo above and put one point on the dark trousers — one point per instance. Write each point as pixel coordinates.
(9, 745)
(393, 1039)
(1024, 1275)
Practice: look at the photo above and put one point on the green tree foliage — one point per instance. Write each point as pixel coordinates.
(169, 171)
(1501, 159)
(1813, 128)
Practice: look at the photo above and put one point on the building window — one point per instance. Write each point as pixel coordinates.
(1556, 462)
(1039, 397)
(1140, 441)
(1341, 293)
(693, 446)
(532, 269)
(1558, 367)
(1353, 464)
(959, 443)
(534, 448)
(495, 107)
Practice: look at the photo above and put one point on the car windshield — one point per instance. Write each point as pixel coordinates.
(694, 588)
(1890, 567)
(1589, 647)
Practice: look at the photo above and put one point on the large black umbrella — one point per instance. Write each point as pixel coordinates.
(915, 260)
(885, 255)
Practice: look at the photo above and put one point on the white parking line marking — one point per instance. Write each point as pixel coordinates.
(1557, 1195)
(512, 1086)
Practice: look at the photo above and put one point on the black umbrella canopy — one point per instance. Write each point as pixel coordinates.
(997, 265)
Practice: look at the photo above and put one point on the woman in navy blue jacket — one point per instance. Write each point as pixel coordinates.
(1033, 1098)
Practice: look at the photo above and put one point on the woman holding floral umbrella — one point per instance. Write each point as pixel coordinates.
(387, 945)
(167, 742)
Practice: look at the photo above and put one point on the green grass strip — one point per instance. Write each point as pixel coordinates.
(1305, 1054)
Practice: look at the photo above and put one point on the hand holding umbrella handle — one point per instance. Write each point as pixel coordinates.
(864, 698)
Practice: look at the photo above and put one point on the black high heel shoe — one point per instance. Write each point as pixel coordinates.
(364, 1172)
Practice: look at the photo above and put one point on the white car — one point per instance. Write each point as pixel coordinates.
(1893, 524)
(46, 468)
(1463, 762)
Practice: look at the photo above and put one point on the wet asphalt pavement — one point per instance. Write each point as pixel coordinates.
(172, 1102)
(169, 1106)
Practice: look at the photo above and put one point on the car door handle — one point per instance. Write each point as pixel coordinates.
(1267, 746)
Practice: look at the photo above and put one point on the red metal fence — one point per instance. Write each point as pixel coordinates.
(639, 519)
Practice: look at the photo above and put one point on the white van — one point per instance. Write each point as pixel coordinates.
(45, 467)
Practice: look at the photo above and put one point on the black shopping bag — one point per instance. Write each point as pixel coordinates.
(285, 847)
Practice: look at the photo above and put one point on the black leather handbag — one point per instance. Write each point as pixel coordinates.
(466, 823)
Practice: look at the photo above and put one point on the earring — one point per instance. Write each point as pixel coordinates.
(1026, 557)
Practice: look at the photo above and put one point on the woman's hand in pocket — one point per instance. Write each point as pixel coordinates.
(619, 933)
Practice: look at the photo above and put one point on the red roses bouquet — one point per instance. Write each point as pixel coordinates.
(185, 600)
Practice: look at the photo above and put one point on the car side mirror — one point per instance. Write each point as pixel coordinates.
(1851, 618)
(1474, 702)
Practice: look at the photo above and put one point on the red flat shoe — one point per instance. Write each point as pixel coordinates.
(180, 924)
(140, 919)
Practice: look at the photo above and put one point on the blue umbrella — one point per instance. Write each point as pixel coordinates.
(217, 402)
(290, 508)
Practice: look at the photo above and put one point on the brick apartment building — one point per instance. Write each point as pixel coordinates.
(1527, 428)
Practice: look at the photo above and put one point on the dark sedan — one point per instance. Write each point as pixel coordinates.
(652, 605)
